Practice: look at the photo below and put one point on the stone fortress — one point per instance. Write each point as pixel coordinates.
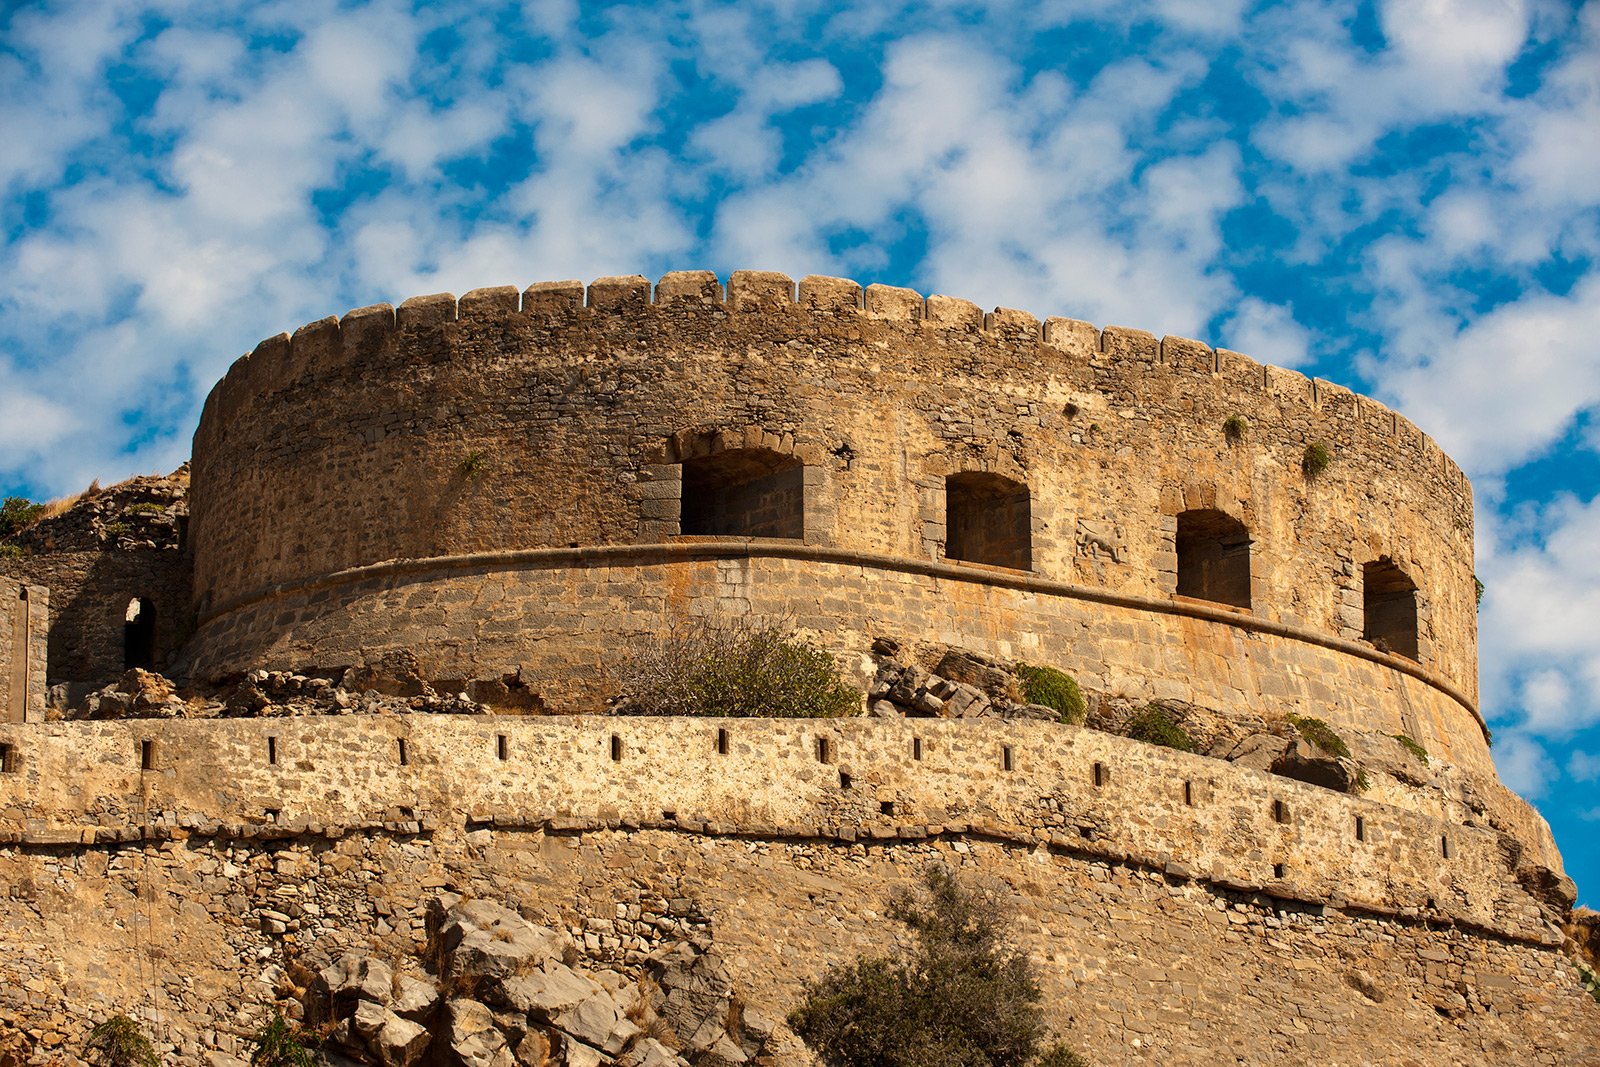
(492, 496)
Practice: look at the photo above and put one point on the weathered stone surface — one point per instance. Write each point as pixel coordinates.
(472, 1038)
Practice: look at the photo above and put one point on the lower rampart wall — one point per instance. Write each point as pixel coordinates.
(562, 619)
(1160, 929)
(1037, 785)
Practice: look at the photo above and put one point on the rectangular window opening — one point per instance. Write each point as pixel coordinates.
(272, 750)
(1005, 758)
(1280, 811)
(886, 807)
(1277, 870)
(502, 746)
(722, 741)
(1361, 828)
(916, 748)
(616, 749)
(845, 781)
(147, 755)
(271, 814)
(824, 750)
(1188, 793)
(1099, 775)
(8, 758)
(405, 757)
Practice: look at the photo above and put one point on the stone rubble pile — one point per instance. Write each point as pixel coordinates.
(141, 513)
(962, 685)
(504, 991)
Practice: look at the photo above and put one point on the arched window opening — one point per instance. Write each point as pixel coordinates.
(1213, 558)
(1389, 608)
(139, 635)
(744, 492)
(988, 519)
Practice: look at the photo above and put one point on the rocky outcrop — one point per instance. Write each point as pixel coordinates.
(494, 990)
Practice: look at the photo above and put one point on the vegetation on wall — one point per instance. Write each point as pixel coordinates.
(1414, 747)
(1322, 735)
(1053, 689)
(119, 1042)
(1315, 460)
(473, 465)
(1153, 725)
(961, 997)
(1235, 428)
(733, 667)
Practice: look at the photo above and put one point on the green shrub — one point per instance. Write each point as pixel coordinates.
(1153, 725)
(120, 1042)
(961, 997)
(1059, 1055)
(1477, 590)
(734, 668)
(473, 466)
(9, 551)
(114, 530)
(146, 508)
(1320, 734)
(17, 514)
(1053, 689)
(280, 1044)
(1413, 747)
(1234, 428)
(1315, 460)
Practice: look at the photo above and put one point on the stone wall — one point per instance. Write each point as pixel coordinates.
(91, 590)
(24, 626)
(509, 422)
(561, 619)
(1043, 785)
(1162, 930)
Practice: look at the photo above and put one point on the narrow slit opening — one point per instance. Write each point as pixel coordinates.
(1361, 828)
(147, 755)
(616, 748)
(916, 748)
(1280, 811)
(1006, 759)
(502, 746)
(1188, 794)
(400, 745)
(1099, 775)
(722, 741)
(824, 750)
(1444, 847)
(272, 750)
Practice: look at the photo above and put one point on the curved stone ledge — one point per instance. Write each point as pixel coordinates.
(752, 548)
(1040, 785)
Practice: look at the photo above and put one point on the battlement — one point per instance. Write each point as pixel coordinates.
(317, 347)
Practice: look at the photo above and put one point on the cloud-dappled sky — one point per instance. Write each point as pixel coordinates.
(1402, 196)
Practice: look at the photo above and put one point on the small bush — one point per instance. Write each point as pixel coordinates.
(1153, 725)
(1320, 734)
(146, 508)
(1054, 689)
(1315, 460)
(120, 1042)
(473, 466)
(10, 551)
(114, 530)
(1413, 747)
(1588, 978)
(734, 668)
(961, 997)
(17, 514)
(1477, 590)
(280, 1044)
(1234, 428)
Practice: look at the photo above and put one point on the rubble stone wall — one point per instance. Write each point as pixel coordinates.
(509, 422)
(563, 618)
(24, 626)
(1163, 932)
(1040, 784)
(91, 590)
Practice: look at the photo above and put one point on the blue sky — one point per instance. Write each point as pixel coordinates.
(1401, 196)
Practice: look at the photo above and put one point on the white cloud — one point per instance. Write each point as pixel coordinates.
(1266, 332)
(1523, 765)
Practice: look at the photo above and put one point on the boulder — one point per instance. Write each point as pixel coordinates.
(651, 1053)
(547, 992)
(1305, 762)
(1257, 751)
(472, 1037)
(400, 1042)
(485, 942)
